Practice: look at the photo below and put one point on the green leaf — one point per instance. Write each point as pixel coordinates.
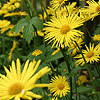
(21, 23)
(97, 30)
(37, 22)
(28, 32)
(54, 57)
(83, 89)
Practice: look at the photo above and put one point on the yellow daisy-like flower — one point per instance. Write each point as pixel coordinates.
(73, 45)
(57, 3)
(96, 37)
(59, 86)
(91, 54)
(62, 30)
(92, 10)
(36, 52)
(18, 84)
(4, 23)
(68, 9)
(82, 79)
(93, 6)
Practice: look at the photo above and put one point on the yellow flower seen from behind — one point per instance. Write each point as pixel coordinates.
(96, 37)
(82, 79)
(36, 52)
(55, 4)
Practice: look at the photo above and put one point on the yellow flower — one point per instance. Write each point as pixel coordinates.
(59, 86)
(13, 34)
(96, 37)
(82, 79)
(36, 52)
(54, 98)
(57, 3)
(18, 84)
(91, 54)
(17, 4)
(70, 8)
(39, 33)
(61, 30)
(15, 13)
(92, 10)
(74, 47)
(4, 23)
(93, 6)
(6, 28)
(12, 49)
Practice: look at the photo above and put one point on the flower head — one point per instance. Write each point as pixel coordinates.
(4, 23)
(59, 86)
(91, 54)
(18, 84)
(90, 11)
(96, 37)
(36, 52)
(57, 3)
(82, 79)
(74, 47)
(61, 30)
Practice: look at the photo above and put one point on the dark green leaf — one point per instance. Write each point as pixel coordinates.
(21, 23)
(28, 32)
(97, 29)
(37, 22)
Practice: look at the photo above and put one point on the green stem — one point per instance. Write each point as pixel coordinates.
(66, 57)
(90, 74)
(75, 86)
(89, 34)
(32, 8)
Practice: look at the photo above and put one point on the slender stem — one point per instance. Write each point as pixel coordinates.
(90, 74)
(75, 86)
(66, 57)
(32, 8)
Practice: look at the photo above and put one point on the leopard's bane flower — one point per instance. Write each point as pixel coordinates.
(82, 79)
(59, 86)
(57, 3)
(4, 23)
(91, 54)
(18, 84)
(36, 52)
(62, 30)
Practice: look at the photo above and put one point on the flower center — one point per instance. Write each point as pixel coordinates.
(64, 29)
(15, 88)
(60, 86)
(90, 54)
(98, 8)
(60, 1)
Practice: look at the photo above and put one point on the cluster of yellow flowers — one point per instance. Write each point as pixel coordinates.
(62, 30)
(10, 6)
(8, 10)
